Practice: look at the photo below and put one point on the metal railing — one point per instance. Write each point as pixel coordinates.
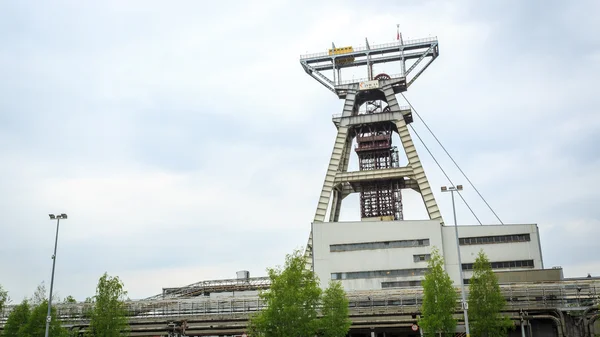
(374, 47)
(339, 115)
(363, 79)
(566, 294)
(243, 284)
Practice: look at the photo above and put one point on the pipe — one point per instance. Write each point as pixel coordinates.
(521, 314)
(562, 321)
(591, 324)
(530, 330)
(556, 320)
(586, 328)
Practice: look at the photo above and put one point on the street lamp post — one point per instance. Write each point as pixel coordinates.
(49, 316)
(464, 304)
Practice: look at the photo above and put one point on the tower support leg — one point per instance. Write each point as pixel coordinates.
(421, 178)
(413, 158)
(339, 160)
(334, 166)
(336, 204)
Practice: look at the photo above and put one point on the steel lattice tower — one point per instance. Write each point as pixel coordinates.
(381, 175)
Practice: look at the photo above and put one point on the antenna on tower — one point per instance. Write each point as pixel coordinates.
(398, 34)
(399, 38)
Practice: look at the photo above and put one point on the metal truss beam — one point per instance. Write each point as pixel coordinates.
(374, 175)
(394, 58)
(206, 287)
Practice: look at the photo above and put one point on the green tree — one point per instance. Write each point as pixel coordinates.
(334, 309)
(17, 319)
(108, 317)
(486, 301)
(36, 324)
(40, 295)
(439, 299)
(69, 299)
(291, 301)
(3, 298)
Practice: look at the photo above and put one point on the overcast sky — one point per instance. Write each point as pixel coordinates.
(186, 143)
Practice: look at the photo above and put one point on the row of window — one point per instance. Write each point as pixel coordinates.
(422, 257)
(481, 240)
(503, 264)
(476, 240)
(378, 273)
(346, 247)
(400, 284)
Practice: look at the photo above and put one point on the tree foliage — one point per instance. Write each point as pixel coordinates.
(36, 324)
(17, 319)
(486, 301)
(3, 298)
(292, 304)
(39, 295)
(334, 309)
(69, 299)
(108, 316)
(26, 320)
(439, 298)
(291, 301)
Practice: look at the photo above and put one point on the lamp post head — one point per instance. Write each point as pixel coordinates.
(52, 217)
(452, 188)
(59, 216)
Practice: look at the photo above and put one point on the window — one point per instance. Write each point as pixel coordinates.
(421, 257)
(504, 264)
(347, 247)
(400, 284)
(378, 273)
(482, 240)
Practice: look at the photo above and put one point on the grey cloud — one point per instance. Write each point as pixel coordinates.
(186, 142)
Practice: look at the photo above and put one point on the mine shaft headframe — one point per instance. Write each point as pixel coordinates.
(417, 54)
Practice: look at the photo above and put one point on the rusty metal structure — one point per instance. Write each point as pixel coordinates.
(374, 148)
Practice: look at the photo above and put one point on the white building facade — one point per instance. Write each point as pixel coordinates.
(370, 255)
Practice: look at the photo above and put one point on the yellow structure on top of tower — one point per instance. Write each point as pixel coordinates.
(342, 50)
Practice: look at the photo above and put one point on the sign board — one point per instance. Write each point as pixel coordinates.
(414, 327)
(368, 85)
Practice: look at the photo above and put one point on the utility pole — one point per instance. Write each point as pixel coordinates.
(49, 316)
(464, 303)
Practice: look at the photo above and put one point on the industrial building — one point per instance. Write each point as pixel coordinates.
(369, 255)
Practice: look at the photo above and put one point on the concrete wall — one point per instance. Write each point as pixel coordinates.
(495, 252)
(327, 233)
(541, 275)
(327, 262)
